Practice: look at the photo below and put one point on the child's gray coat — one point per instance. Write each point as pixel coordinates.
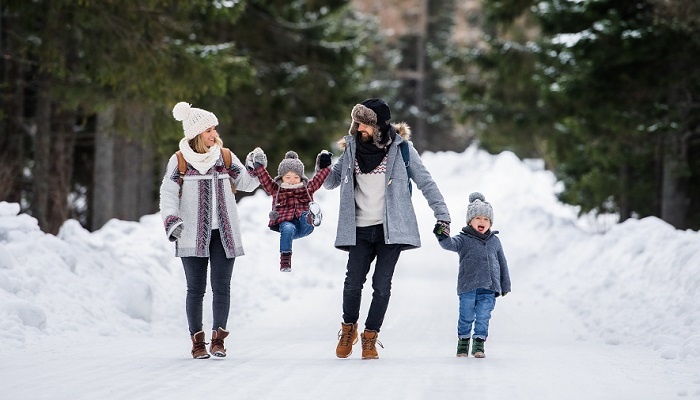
(482, 263)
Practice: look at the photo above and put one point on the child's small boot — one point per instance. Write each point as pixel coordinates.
(463, 347)
(478, 348)
(199, 346)
(286, 262)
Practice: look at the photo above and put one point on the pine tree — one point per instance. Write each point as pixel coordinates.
(610, 87)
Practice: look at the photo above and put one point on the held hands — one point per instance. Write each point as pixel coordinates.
(442, 230)
(323, 159)
(255, 159)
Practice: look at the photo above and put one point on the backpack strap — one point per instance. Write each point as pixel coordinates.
(403, 146)
(181, 168)
(226, 155)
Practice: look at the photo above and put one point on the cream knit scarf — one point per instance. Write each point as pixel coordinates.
(200, 161)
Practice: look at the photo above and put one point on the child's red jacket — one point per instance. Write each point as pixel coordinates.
(289, 203)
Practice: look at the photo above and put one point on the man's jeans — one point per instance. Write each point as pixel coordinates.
(369, 245)
(196, 275)
(294, 229)
(475, 308)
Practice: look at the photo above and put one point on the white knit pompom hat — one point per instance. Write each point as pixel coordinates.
(194, 120)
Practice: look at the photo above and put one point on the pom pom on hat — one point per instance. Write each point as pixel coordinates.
(478, 206)
(194, 120)
(292, 163)
(476, 196)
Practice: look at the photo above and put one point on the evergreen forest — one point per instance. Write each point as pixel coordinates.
(604, 91)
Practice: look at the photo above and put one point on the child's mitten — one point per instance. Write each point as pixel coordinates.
(442, 230)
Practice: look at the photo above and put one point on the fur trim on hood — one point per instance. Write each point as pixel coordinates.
(401, 128)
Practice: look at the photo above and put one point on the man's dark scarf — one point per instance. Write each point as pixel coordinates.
(368, 155)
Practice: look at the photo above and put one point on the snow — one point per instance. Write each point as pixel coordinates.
(592, 315)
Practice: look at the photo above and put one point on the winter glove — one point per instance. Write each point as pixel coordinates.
(323, 159)
(249, 163)
(255, 159)
(442, 230)
(504, 293)
(177, 232)
(259, 158)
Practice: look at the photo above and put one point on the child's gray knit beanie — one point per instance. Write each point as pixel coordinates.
(291, 162)
(478, 207)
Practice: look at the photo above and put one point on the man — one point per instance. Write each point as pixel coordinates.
(376, 218)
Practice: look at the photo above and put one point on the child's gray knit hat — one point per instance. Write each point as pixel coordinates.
(291, 162)
(478, 207)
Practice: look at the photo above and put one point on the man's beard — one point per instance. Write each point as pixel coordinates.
(365, 138)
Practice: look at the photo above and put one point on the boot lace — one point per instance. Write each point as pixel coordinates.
(196, 346)
(217, 343)
(369, 344)
(345, 337)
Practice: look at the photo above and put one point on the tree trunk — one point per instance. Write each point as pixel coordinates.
(144, 185)
(625, 208)
(11, 129)
(419, 133)
(674, 185)
(63, 137)
(104, 183)
(42, 143)
(126, 169)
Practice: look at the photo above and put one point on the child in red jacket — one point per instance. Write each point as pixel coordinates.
(294, 213)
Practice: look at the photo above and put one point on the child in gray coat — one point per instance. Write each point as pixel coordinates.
(483, 273)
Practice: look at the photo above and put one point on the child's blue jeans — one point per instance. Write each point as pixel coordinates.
(294, 229)
(475, 309)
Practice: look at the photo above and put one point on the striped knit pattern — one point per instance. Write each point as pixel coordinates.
(204, 218)
(380, 169)
(224, 225)
(171, 220)
(234, 171)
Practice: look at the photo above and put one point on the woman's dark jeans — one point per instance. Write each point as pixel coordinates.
(369, 245)
(196, 274)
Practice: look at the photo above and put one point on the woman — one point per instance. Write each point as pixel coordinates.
(199, 212)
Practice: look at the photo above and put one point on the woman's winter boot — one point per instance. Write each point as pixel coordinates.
(463, 347)
(369, 344)
(286, 262)
(347, 336)
(199, 347)
(217, 342)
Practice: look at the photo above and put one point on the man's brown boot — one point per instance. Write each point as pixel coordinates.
(199, 347)
(369, 344)
(347, 336)
(217, 342)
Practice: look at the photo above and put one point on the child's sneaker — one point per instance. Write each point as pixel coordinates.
(463, 347)
(478, 348)
(315, 213)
